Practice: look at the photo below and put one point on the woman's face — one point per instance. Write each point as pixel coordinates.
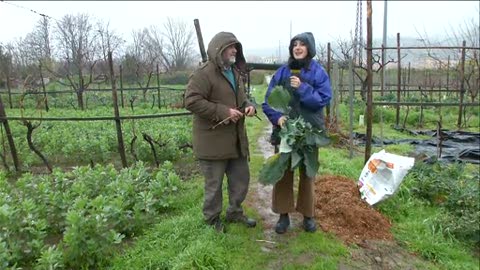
(300, 50)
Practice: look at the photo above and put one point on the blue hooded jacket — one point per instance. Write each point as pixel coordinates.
(313, 94)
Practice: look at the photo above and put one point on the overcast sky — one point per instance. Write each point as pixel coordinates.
(257, 24)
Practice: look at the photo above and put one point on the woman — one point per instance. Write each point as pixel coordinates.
(310, 85)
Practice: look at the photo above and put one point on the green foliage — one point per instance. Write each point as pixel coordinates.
(279, 99)
(257, 77)
(177, 77)
(89, 210)
(182, 240)
(299, 147)
(451, 188)
(274, 168)
(96, 141)
(299, 142)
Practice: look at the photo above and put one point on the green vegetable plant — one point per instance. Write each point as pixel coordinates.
(299, 142)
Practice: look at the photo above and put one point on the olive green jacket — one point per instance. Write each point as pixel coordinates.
(209, 96)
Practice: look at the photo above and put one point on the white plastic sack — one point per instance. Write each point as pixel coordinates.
(382, 175)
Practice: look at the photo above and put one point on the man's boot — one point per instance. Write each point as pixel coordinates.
(249, 222)
(282, 224)
(218, 225)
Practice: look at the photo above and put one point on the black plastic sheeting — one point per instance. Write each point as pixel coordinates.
(457, 146)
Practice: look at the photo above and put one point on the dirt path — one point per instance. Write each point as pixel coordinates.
(260, 198)
(263, 193)
(370, 254)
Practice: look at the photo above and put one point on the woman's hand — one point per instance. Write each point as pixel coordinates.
(281, 121)
(295, 82)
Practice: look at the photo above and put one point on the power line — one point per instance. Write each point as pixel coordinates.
(29, 9)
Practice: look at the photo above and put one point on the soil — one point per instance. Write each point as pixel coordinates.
(339, 210)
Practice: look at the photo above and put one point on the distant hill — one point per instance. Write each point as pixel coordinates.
(415, 57)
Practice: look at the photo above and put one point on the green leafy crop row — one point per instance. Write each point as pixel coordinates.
(76, 219)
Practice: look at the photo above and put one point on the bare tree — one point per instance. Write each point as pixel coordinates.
(344, 54)
(40, 39)
(108, 40)
(469, 32)
(322, 54)
(77, 49)
(179, 44)
(5, 65)
(142, 55)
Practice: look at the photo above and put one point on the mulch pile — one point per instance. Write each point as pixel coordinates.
(341, 211)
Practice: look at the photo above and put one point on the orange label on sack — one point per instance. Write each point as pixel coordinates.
(372, 165)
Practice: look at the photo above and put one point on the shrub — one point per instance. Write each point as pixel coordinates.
(177, 77)
(258, 76)
(451, 188)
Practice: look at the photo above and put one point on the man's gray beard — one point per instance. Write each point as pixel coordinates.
(231, 60)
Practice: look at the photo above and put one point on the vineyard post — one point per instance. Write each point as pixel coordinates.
(203, 53)
(408, 79)
(118, 123)
(8, 87)
(121, 86)
(350, 99)
(158, 86)
(327, 109)
(45, 100)
(462, 86)
(399, 82)
(448, 75)
(11, 143)
(368, 143)
(382, 74)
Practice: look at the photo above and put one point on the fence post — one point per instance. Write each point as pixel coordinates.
(448, 76)
(334, 81)
(462, 86)
(382, 74)
(118, 123)
(408, 80)
(350, 104)
(45, 100)
(121, 86)
(203, 53)
(327, 109)
(11, 142)
(368, 143)
(399, 82)
(8, 89)
(158, 86)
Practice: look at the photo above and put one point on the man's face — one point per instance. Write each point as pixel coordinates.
(229, 54)
(300, 50)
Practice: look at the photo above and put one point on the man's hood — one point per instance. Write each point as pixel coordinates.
(221, 41)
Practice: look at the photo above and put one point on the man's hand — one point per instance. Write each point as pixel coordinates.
(281, 121)
(250, 111)
(235, 115)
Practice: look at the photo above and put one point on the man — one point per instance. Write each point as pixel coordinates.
(216, 96)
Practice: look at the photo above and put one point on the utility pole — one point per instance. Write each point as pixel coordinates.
(279, 51)
(290, 29)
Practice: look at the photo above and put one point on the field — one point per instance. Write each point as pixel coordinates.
(90, 213)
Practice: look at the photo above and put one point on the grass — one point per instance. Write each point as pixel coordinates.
(183, 241)
(414, 227)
